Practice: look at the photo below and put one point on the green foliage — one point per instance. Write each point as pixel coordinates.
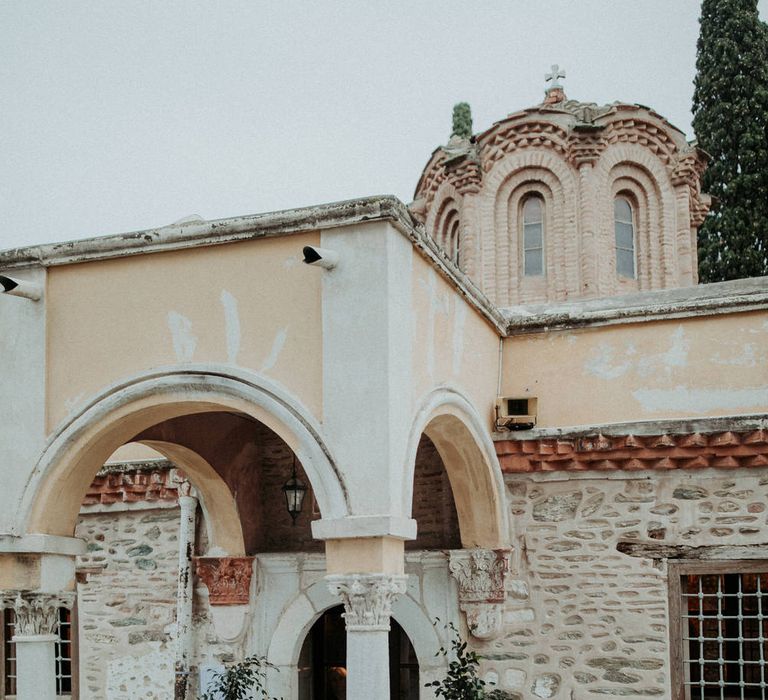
(462, 120)
(461, 682)
(730, 107)
(244, 680)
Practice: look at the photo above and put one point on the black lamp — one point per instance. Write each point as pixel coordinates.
(294, 492)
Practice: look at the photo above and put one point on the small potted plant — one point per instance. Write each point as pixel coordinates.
(242, 680)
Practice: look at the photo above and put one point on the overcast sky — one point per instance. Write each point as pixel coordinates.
(124, 115)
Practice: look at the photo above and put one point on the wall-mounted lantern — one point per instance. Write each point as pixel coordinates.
(294, 492)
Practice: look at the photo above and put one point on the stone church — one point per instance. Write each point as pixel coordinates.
(322, 435)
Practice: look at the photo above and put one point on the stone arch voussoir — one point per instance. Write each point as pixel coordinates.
(78, 447)
(461, 438)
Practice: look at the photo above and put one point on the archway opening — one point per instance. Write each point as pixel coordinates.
(323, 661)
(433, 506)
(474, 487)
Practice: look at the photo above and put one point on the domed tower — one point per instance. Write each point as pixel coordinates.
(566, 200)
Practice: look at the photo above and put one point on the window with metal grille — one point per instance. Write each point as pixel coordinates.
(720, 630)
(64, 655)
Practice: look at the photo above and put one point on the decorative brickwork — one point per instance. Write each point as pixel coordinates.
(725, 450)
(133, 483)
(576, 155)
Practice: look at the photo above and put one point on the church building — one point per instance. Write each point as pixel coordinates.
(331, 436)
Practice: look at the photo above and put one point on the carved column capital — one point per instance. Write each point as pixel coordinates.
(38, 613)
(367, 598)
(481, 575)
(228, 579)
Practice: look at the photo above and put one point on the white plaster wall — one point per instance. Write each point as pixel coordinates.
(22, 393)
(367, 361)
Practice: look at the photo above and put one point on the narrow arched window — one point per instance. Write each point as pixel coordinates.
(452, 241)
(448, 237)
(624, 225)
(533, 236)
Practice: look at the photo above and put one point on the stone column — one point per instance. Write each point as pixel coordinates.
(185, 589)
(36, 634)
(367, 602)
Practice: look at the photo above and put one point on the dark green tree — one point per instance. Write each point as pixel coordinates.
(730, 108)
(462, 120)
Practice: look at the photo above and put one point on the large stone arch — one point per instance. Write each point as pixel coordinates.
(308, 606)
(461, 438)
(78, 447)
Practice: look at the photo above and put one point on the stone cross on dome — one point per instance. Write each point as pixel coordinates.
(554, 92)
(555, 76)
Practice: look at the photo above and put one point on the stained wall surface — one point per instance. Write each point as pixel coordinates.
(251, 304)
(693, 367)
(453, 344)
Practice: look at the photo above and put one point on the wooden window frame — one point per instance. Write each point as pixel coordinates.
(678, 652)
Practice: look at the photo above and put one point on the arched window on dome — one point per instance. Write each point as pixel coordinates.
(533, 235)
(449, 234)
(624, 226)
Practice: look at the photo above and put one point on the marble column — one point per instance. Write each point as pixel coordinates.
(184, 591)
(35, 636)
(367, 602)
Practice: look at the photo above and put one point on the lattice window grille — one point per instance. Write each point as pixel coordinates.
(725, 633)
(63, 652)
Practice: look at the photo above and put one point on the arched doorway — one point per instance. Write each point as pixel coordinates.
(322, 661)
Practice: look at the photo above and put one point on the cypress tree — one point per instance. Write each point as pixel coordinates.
(462, 120)
(730, 108)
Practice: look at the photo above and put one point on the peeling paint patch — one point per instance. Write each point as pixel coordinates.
(277, 347)
(72, 403)
(184, 342)
(232, 325)
(696, 401)
(609, 362)
(676, 356)
(603, 365)
(747, 358)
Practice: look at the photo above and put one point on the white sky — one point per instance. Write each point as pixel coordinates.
(120, 115)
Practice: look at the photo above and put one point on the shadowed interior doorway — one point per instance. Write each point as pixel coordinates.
(323, 661)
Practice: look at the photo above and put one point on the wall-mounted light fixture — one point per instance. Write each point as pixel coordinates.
(294, 491)
(20, 288)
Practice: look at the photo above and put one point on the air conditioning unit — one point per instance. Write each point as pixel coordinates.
(515, 413)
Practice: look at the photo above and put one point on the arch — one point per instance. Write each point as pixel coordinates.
(534, 233)
(444, 222)
(219, 508)
(79, 447)
(636, 169)
(467, 451)
(554, 179)
(307, 607)
(625, 228)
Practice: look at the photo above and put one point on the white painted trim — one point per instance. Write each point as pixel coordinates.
(365, 526)
(42, 544)
(446, 400)
(307, 607)
(210, 383)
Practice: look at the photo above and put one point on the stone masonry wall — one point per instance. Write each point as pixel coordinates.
(595, 621)
(127, 605)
